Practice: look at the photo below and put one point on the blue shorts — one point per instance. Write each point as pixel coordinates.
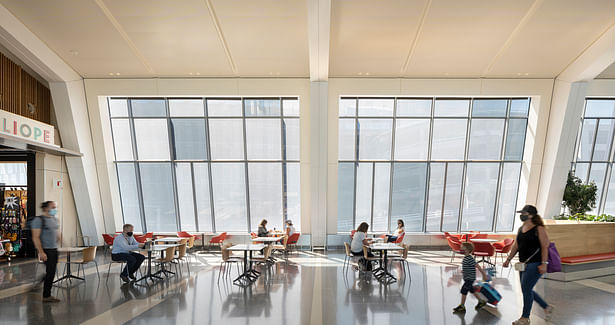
(468, 286)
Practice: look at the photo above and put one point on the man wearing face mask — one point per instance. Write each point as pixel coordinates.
(45, 236)
(123, 246)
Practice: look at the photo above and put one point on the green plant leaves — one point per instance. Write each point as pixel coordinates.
(579, 197)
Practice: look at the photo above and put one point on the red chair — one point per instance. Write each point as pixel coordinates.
(140, 238)
(184, 234)
(455, 246)
(484, 250)
(254, 235)
(400, 238)
(352, 233)
(149, 235)
(108, 239)
(217, 240)
(478, 236)
(503, 247)
(292, 240)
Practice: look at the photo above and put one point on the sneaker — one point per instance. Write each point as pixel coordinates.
(459, 309)
(480, 304)
(521, 321)
(51, 299)
(124, 278)
(132, 276)
(548, 313)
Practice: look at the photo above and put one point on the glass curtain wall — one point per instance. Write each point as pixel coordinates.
(207, 164)
(439, 164)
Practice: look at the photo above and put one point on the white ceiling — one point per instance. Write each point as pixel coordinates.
(269, 38)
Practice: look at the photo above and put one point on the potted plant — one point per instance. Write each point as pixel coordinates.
(578, 197)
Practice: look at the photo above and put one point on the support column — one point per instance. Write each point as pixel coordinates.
(318, 152)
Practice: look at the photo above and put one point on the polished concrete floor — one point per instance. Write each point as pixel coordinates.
(308, 288)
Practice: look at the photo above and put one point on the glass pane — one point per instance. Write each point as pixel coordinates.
(515, 140)
(158, 197)
(127, 181)
(600, 108)
(152, 139)
(375, 139)
(185, 198)
(201, 192)
(436, 196)
(480, 195)
(376, 107)
(382, 185)
(452, 107)
(412, 139)
(348, 107)
(452, 197)
(292, 138)
(263, 137)
(290, 107)
(186, 107)
(189, 139)
(609, 202)
(604, 137)
(226, 139)
(345, 197)
(122, 139)
(449, 139)
(519, 107)
(262, 107)
(581, 170)
(14, 173)
(587, 140)
(148, 107)
(118, 108)
(489, 107)
(414, 107)
(229, 187)
(293, 194)
(508, 196)
(265, 194)
(224, 107)
(346, 142)
(486, 139)
(409, 194)
(596, 175)
(363, 210)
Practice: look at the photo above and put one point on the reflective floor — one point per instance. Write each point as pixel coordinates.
(307, 288)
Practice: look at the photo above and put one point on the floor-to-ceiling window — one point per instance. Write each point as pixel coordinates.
(593, 161)
(439, 164)
(207, 164)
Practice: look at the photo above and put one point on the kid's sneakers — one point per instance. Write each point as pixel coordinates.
(459, 309)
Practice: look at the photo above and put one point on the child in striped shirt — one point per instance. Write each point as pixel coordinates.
(469, 266)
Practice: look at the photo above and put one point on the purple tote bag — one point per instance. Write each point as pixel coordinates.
(555, 262)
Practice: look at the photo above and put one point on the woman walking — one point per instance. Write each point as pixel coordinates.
(532, 244)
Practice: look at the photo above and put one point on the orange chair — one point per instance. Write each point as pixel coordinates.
(352, 233)
(217, 240)
(292, 240)
(503, 247)
(484, 250)
(400, 238)
(149, 235)
(108, 239)
(140, 238)
(184, 234)
(478, 236)
(455, 246)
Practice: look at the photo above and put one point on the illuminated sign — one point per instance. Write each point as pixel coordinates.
(26, 128)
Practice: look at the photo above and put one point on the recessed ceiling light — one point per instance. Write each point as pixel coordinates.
(190, 73)
(277, 73)
(110, 73)
(117, 73)
(360, 73)
(198, 73)
(367, 73)
(270, 73)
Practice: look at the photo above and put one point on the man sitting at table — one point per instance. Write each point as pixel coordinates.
(123, 246)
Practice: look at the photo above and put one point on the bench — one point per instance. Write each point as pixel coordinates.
(582, 259)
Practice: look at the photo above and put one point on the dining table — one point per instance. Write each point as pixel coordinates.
(69, 275)
(382, 273)
(249, 274)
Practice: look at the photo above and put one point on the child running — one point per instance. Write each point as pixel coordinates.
(469, 267)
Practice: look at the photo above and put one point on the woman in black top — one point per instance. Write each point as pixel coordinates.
(262, 229)
(532, 244)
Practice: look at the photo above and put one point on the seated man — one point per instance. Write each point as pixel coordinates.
(123, 246)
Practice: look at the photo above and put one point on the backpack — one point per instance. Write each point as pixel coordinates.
(29, 223)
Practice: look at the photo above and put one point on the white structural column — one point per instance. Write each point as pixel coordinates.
(318, 152)
(319, 31)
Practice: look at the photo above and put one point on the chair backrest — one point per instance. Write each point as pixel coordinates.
(182, 251)
(404, 254)
(508, 241)
(365, 251)
(294, 238)
(108, 239)
(478, 236)
(149, 235)
(446, 234)
(253, 235)
(284, 241)
(140, 239)
(400, 238)
(454, 245)
(183, 241)
(217, 239)
(225, 252)
(191, 242)
(88, 254)
(484, 248)
(183, 234)
(169, 254)
(267, 252)
(352, 233)
(347, 248)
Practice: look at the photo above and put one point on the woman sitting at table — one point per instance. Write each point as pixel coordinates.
(262, 229)
(398, 232)
(358, 240)
(289, 228)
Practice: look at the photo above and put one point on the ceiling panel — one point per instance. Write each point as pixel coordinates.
(266, 37)
(608, 73)
(177, 38)
(80, 34)
(460, 38)
(558, 32)
(372, 37)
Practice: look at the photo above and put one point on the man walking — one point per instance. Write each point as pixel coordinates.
(123, 246)
(45, 236)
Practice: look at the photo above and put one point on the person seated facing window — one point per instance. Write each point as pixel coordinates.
(290, 230)
(398, 232)
(262, 229)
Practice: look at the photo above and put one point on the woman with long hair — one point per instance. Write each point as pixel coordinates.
(358, 240)
(400, 230)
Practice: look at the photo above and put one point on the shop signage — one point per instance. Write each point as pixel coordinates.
(26, 128)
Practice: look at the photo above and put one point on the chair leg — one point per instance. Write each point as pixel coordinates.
(108, 271)
(96, 263)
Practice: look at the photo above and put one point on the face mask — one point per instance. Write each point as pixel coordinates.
(129, 234)
(53, 212)
(524, 217)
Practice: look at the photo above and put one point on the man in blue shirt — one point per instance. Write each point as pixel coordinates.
(45, 236)
(123, 246)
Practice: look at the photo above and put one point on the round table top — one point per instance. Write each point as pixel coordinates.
(483, 240)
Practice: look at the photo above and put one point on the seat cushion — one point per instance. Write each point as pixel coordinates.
(588, 258)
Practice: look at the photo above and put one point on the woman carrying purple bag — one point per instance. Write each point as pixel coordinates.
(532, 244)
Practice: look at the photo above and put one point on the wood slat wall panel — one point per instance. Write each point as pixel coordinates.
(582, 238)
(18, 88)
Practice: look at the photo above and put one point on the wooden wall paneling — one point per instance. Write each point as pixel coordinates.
(10, 74)
(582, 238)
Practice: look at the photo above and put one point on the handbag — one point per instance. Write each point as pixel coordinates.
(555, 261)
(520, 266)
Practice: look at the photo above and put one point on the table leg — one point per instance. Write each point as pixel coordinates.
(68, 276)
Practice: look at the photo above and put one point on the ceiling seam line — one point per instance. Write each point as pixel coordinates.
(227, 51)
(530, 12)
(415, 39)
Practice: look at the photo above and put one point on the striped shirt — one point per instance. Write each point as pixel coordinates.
(469, 268)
